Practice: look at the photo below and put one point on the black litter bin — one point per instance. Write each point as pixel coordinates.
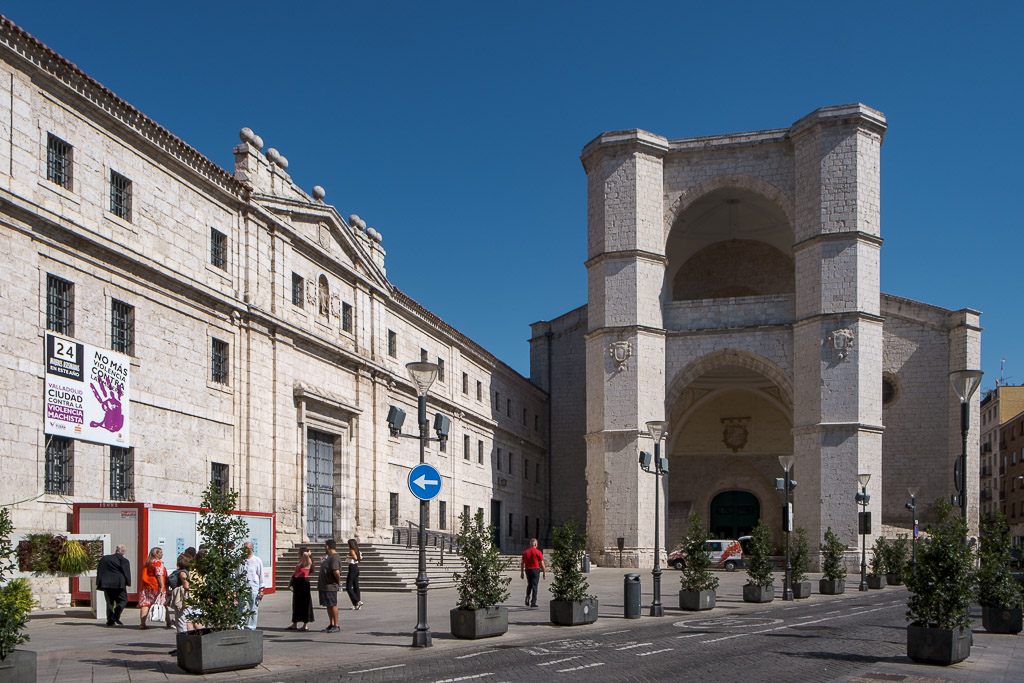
(631, 596)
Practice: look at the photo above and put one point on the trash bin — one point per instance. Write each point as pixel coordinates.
(586, 563)
(631, 596)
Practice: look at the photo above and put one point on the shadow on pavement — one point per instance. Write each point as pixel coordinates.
(848, 657)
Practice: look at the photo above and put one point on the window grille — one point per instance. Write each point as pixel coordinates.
(122, 327)
(58, 161)
(524, 417)
(510, 462)
(465, 447)
(392, 344)
(219, 362)
(218, 248)
(60, 303)
(508, 407)
(298, 290)
(510, 524)
(480, 452)
(219, 476)
(479, 391)
(526, 469)
(393, 509)
(122, 473)
(120, 196)
(440, 369)
(465, 383)
(58, 466)
(442, 513)
(346, 317)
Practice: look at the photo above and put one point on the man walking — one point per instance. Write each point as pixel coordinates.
(531, 566)
(329, 583)
(113, 576)
(253, 571)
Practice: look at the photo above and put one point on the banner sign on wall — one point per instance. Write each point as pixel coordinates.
(87, 392)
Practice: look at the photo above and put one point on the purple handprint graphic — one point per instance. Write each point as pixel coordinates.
(113, 420)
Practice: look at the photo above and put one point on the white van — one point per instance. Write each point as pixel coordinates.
(726, 554)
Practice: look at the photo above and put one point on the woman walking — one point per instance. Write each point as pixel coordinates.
(302, 600)
(151, 584)
(352, 579)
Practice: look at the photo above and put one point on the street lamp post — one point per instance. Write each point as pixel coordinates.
(657, 431)
(965, 383)
(423, 375)
(912, 506)
(787, 521)
(864, 525)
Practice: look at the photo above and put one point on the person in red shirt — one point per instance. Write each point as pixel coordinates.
(531, 567)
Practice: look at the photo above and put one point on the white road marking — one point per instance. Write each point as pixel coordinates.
(577, 668)
(802, 623)
(379, 668)
(463, 678)
(475, 654)
(559, 661)
(645, 654)
(630, 647)
(612, 633)
(691, 635)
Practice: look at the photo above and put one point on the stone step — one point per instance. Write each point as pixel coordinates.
(383, 568)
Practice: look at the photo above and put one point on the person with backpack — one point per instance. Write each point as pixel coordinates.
(178, 583)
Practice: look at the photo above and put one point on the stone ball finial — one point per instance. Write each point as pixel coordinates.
(257, 142)
(319, 193)
(374, 235)
(353, 220)
(246, 135)
(273, 156)
(282, 161)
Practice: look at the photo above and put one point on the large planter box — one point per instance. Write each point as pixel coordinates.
(203, 652)
(565, 613)
(894, 579)
(752, 593)
(479, 623)
(942, 646)
(19, 667)
(1001, 620)
(696, 601)
(829, 587)
(802, 590)
(876, 582)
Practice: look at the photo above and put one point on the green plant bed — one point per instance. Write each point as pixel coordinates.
(832, 552)
(997, 591)
(16, 603)
(43, 554)
(697, 583)
(482, 585)
(571, 602)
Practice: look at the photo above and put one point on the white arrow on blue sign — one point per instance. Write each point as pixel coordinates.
(424, 482)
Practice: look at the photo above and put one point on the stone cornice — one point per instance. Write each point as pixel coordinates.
(627, 255)
(629, 329)
(863, 316)
(859, 426)
(622, 140)
(860, 115)
(858, 235)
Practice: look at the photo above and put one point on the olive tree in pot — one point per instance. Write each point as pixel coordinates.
(698, 585)
(800, 562)
(217, 592)
(876, 567)
(897, 553)
(482, 585)
(571, 604)
(998, 593)
(16, 602)
(833, 581)
(760, 572)
(941, 587)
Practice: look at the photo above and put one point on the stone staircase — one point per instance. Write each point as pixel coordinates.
(384, 567)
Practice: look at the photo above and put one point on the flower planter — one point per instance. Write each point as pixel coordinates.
(832, 587)
(696, 601)
(565, 613)
(802, 590)
(1002, 620)
(876, 582)
(752, 593)
(894, 579)
(18, 667)
(943, 646)
(479, 623)
(203, 652)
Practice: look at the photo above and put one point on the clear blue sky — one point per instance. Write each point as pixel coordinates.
(455, 128)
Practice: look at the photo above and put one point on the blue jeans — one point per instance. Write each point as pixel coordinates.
(532, 579)
(250, 603)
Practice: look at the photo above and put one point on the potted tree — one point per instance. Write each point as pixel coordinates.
(15, 604)
(876, 567)
(571, 604)
(941, 587)
(482, 586)
(760, 572)
(897, 554)
(217, 591)
(698, 585)
(833, 581)
(800, 562)
(998, 593)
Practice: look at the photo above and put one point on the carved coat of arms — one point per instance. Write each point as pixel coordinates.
(841, 341)
(621, 352)
(734, 432)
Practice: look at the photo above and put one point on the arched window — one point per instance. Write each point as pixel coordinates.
(325, 297)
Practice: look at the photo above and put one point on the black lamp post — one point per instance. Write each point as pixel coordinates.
(657, 431)
(423, 375)
(787, 524)
(965, 383)
(864, 524)
(912, 506)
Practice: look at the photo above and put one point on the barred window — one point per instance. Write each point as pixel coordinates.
(219, 362)
(465, 447)
(480, 452)
(526, 469)
(510, 518)
(219, 476)
(508, 407)
(392, 343)
(442, 513)
(393, 509)
(218, 248)
(60, 305)
(298, 290)
(58, 466)
(346, 317)
(440, 369)
(58, 161)
(122, 327)
(122, 473)
(465, 383)
(120, 196)
(479, 391)
(524, 416)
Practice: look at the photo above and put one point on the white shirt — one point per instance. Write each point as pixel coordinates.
(253, 571)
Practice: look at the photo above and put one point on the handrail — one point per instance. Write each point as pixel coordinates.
(437, 539)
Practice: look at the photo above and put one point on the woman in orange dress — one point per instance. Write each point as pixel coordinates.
(151, 583)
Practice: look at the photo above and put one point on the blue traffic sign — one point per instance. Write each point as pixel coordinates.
(424, 482)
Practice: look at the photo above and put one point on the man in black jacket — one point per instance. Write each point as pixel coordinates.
(113, 575)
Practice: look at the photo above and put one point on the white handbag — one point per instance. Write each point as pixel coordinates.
(157, 613)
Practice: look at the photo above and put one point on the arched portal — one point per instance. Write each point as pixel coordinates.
(733, 514)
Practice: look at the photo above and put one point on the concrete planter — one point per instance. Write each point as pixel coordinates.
(941, 646)
(19, 667)
(696, 601)
(802, 590)
(876, 582)
(1002, 620)
(203, 652)
(894, 579)
(472, 624)
(830, 587)
(565, 613)
(752, 593)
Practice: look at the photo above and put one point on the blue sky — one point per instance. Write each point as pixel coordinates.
(455, 128)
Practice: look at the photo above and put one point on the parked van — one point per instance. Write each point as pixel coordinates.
(725, 554)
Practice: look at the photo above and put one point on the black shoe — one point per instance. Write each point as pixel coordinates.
(173, 653)
(118, 622)
(110, 623)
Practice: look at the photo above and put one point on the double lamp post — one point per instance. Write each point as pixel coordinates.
(659, 468)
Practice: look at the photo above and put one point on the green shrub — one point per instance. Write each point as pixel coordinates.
(696, 575)
(879, 551)
(996, 585)
(896, 556)
(15, 596)
(832, 551)
(800, 556)
(569, 543)
(483, 583)
(759, 567)
(941, 584)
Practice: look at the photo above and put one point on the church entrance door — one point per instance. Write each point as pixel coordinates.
(734, 514)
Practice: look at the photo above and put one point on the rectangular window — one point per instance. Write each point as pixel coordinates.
(393, 509)
(392, 344)
(524, 417)
(465, 447)
(465, 513)
(479, 391)
(536, 423)
(298, 290)
(219, 362)
(510, 468)
(122, 473)
(218, 248)
(526, 525)
(58, 161)
(508, 407)
(423, 355)
(497, 459)
(60, 305)
(219, 476)
(346, 317)
(480, 452)
(122, 327)
(526, 469)
(480, 511)
(120, 196)
(58, 466)
(537, 478)
(442, 513)
(442, 446)
(536, 526)
(465, 383)
(510, 525)
(440, 369)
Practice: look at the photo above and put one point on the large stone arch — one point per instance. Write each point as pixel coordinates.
(744, 182)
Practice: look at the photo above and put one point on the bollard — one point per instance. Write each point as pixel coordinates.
(586, 563)
(631, 597)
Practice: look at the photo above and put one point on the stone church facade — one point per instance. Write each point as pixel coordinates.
(733, 290)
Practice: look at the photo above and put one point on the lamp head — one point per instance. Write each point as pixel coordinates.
(863, 480)
(787, 462)
(912, 490)
(657, 429)
(423, 375)
(965, 383)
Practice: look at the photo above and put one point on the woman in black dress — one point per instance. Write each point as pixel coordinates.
(302, 601)
(352, 580)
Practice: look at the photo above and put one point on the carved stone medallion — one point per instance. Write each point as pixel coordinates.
(621, 352)
(841, 341)
(734, 432)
